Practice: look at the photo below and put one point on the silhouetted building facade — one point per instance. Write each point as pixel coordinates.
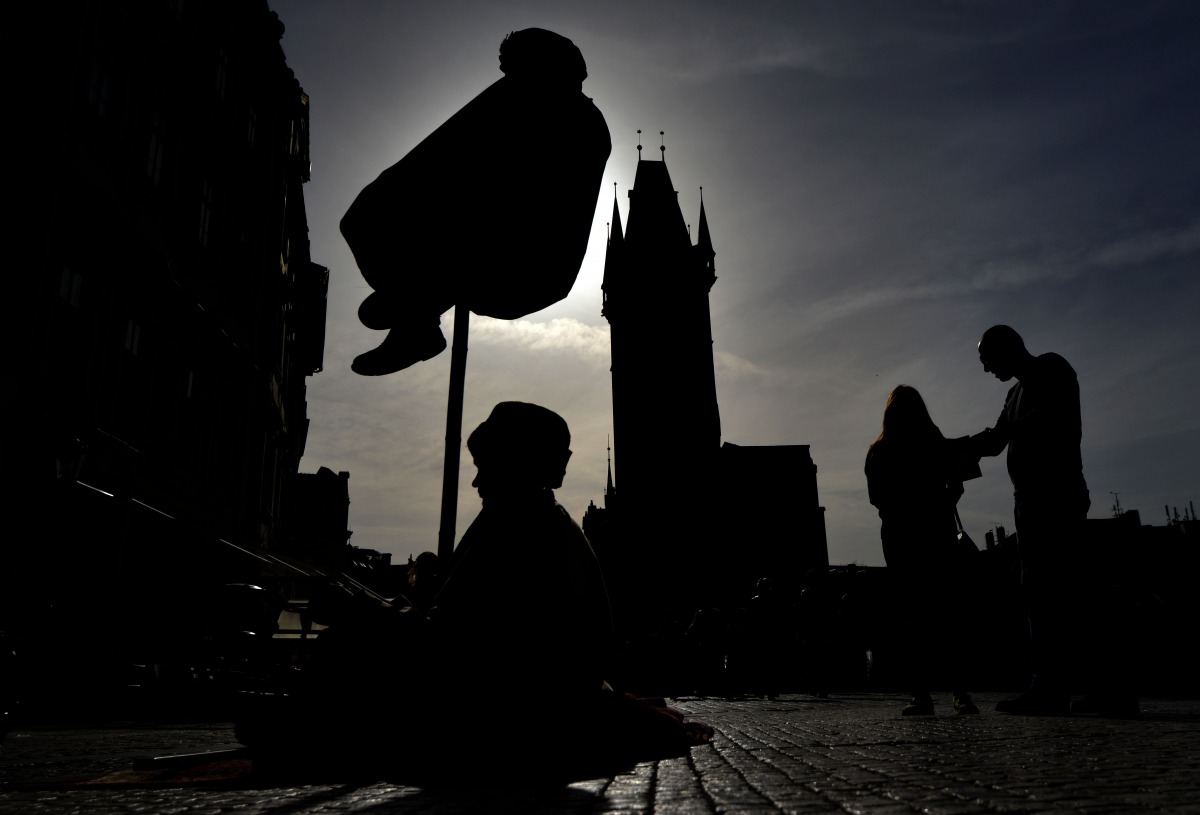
(172, 313)
(318, 519)
(697, 522)
(775, 525)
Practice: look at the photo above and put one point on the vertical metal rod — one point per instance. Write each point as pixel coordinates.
(454, 414)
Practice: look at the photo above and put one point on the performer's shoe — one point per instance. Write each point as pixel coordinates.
(963, 705)
(1037, 703)
(919, 706)
(401, 348)
(1107, 704)
(377, 311)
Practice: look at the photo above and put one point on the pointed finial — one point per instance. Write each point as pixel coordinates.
(639, 145)
(663, 147)
(609, 488)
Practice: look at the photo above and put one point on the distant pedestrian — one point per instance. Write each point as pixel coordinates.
(423, 581)
(914, 482)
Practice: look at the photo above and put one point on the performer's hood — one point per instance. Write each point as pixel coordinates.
(525, 443)
(540, 55)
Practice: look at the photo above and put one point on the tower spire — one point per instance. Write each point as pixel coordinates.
(610, 489)
(704, 247)
(616, 234)
(612, 257)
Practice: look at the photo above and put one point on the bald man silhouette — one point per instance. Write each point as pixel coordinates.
(1042, 429)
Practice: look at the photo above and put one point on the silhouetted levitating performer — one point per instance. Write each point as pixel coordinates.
(913, 479)
(492, 210)
(1041, 427)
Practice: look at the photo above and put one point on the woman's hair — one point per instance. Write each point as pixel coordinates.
(906, 417)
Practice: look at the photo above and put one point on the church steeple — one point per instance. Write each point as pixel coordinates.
(656, 288)
(690, 527)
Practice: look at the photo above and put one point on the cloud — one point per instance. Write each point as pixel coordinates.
(566, 334)
(966, 277)
(1148, 246)
(734, 368)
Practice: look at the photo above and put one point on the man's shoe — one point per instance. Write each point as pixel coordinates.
(400, 349)
(1107, 704)
(1037, 703)
(919, 706)
(963, 705)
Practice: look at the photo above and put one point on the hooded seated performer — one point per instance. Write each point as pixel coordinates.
(492, 210)
(524, 603)
(523, 618)
(515, 647)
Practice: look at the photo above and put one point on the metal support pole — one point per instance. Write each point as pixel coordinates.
(454, 414)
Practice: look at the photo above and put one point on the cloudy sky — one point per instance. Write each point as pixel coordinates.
(883, 181)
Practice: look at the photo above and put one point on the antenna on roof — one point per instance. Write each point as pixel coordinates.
(663, 147)
(639, 145)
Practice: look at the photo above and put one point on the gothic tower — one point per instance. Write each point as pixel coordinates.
(666, 423)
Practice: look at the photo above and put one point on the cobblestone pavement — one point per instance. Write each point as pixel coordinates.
(797, 754)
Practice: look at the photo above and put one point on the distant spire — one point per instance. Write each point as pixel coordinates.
(705, 239)
(615, 234)
(610, 489)
(616, 214)
(704, 246)
(616, 240)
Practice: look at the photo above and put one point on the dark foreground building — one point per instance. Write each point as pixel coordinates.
(164, 330)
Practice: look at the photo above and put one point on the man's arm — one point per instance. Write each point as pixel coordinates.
(993, 440)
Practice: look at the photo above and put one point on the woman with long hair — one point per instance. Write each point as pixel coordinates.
(912, 481)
